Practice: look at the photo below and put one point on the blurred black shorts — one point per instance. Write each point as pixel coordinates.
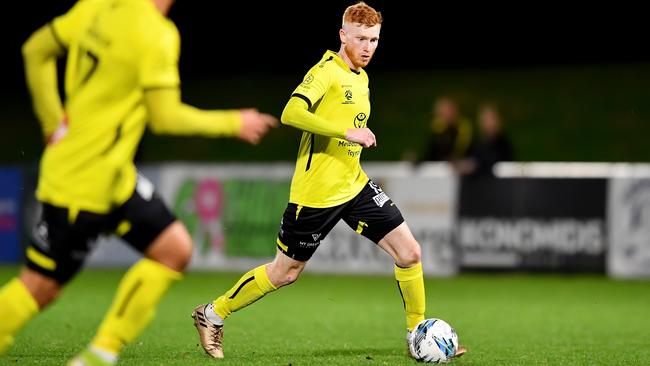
(59, 246)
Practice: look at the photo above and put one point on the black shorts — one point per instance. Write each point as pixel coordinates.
(370, 213)
(59, 246)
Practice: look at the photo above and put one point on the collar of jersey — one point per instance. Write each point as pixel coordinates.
(339, 61)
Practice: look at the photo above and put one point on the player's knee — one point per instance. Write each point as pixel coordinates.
(173, 248)
(292, 276)
(184, 255)
(410, 256)
(283, 276)
(43, 289)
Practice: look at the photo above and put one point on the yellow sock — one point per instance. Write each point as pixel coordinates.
(251, 287)
(17, 307)
(410, 282)
(134, 305)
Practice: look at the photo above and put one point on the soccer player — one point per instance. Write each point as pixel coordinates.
(332, 107)
(121, 71)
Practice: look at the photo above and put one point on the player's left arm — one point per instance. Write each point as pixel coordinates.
(169, 115)
(40, 53)
(160, 83)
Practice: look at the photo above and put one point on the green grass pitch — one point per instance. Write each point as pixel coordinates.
(504, 319)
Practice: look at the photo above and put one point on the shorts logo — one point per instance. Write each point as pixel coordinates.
(41, 236)
(144, 187)
(315, 236)
(305, 244)
(380, 199)
(374, 187)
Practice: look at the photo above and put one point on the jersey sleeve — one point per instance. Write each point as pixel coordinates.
(71, 25)
(314, 85)
(159, 63)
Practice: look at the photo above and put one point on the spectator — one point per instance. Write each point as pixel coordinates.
(490, 147)
(451, 133)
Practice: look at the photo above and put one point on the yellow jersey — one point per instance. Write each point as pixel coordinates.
(117, 49)
(328, 169)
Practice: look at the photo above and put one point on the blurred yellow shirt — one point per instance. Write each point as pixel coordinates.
(117, 49)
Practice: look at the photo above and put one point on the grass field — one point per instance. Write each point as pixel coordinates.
(504, 319)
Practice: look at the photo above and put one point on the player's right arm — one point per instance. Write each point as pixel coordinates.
(40, 53)
(298, 113)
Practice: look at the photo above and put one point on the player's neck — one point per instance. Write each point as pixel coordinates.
(344, 57)
(163, 5)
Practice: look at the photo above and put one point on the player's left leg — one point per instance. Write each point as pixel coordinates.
(374, 215)
(146, 224)
(141, 289)
(405, 250)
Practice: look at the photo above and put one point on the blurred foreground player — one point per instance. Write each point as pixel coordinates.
(121, 71)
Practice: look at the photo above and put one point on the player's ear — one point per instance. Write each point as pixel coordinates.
(342, 34)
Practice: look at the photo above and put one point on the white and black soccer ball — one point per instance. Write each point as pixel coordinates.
(433, 341)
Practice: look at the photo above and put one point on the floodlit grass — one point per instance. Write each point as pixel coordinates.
(504, 319)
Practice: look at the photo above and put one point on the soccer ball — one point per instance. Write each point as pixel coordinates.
(433, 341)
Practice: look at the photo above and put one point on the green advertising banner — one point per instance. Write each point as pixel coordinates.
(238, 217)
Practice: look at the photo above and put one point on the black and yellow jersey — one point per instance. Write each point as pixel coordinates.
(328, 170)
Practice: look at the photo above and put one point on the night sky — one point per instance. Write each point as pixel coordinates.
(289, 36)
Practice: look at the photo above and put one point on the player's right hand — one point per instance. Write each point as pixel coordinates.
(255, 125)
(362, 136)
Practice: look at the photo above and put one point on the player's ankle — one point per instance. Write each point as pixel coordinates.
(107, 356)
(212, 316)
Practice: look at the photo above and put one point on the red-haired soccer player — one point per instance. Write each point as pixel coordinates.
(332, 107)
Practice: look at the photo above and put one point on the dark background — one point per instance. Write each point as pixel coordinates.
(571, 81)
(287, 35)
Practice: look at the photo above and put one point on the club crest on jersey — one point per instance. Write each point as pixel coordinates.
(360, 120)
(308, 79)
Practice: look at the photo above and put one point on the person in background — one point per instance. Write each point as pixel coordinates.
(490, 146)
(451, 132)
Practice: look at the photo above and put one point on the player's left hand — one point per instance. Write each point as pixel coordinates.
(255, 125)
(362, 136)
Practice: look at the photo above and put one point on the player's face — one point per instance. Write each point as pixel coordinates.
(360, 42)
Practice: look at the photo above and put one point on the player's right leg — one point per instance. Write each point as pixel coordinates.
(20, 300)
(301, 230)
(252, 286)
(57, 251)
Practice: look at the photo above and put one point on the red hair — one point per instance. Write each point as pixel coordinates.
(362, 13)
